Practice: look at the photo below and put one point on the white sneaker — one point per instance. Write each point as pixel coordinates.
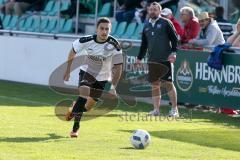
(173, 113)
(154, 113)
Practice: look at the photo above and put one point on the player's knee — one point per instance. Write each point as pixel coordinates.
(156, 85)
(84, 91)
(169, 86)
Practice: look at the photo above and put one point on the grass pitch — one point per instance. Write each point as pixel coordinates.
(30, 130)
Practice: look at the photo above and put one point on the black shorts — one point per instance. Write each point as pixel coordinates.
(96, 87)
(162, 71)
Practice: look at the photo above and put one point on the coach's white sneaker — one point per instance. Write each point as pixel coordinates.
(173, 113)
(154, 112)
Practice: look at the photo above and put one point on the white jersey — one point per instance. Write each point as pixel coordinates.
(99, 58)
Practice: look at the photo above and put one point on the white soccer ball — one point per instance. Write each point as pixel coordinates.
(140, 139)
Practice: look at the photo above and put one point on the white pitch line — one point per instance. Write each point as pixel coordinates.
(26, 101)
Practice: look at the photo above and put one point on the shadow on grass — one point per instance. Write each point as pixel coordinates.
(128, 148)
(51, 136)
(63, 116)
(211, 137)
(140, 112)
(38, 96)
(22, 94)
(193, 115)
(215, 118)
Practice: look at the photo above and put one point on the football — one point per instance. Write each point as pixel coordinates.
(140, 139)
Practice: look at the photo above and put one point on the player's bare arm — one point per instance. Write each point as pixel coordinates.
(71, 56)
(116, 75)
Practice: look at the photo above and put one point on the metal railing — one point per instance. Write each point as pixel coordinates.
(58, 36)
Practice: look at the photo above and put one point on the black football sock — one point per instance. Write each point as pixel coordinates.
(79, 106)
(77, 120)
(78, 109)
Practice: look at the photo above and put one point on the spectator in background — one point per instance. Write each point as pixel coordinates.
(18, 7)
(191, 25)
(5, 8)
(167, 13)
(165, 3)
(2, 6)
(235, 38)
(85, 7)
(21, 6)
(1, 25)
(210, 35)
(141, 13)
(219, 12)
(211, 12)
(127, 10)
(120, 2)
(38, 5)
(236, 13)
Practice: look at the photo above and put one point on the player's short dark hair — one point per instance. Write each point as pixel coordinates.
(219, 11)
(103, 20)
(156, 4)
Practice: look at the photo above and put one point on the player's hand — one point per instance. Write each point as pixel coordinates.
(112, 93)
(192, 41)
(66, 76)
(238, 28)
(138, 63)
(172, 58)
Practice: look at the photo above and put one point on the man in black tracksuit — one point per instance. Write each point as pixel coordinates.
(159, 38)
(1, 25)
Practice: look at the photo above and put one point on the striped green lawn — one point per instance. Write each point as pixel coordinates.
(30, 130)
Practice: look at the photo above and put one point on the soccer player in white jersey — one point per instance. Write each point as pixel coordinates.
(103, 62)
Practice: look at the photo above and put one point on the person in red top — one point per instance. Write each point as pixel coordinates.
(191, 25)
(167, 13)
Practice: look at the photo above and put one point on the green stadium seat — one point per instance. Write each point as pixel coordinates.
(138, 32)
(54, 10)
(20, 24)
(2, 16)
(6, 21)
(68, 26)
(62, 22)
(12, 23)
(120, 29)
(44, 24)
(48, 8)
(87, 15)
(130, 30)
(65, 5)
(114, 27)
(91, 5)
(28, 24)
(51, 25)
(35, 25)
(105, 11)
